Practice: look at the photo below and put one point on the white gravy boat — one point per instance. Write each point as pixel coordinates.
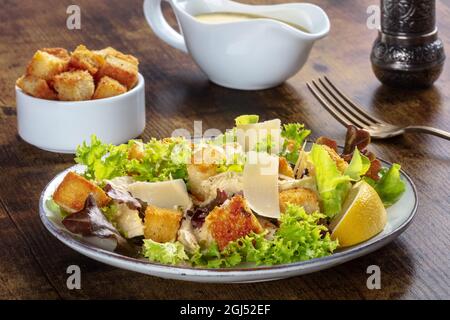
(251, 54)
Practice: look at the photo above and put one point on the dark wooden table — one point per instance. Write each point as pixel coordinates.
(33, 263)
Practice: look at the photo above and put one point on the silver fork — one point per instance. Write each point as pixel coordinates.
(348, 113)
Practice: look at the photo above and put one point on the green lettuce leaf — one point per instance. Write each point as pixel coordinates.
(294, 135)
(246, 119)
(333, 186)
(55, 208)
(167, 253)
(358, 166)
(110, 212)
(390, 187)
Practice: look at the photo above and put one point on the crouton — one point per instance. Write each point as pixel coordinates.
(341, 164)
(108, 87)
(161, 225)
(45, 65)
(109, 51)
(302, 197)
(285, 168)
(85, 59)
(136, 150)
(74, 85)
(121, 70)
(73, 191)
(36, 87)
(231, 221)
(58, 52)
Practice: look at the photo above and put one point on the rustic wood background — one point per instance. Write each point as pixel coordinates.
(33, 263)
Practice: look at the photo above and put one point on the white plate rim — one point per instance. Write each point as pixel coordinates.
(223, 275)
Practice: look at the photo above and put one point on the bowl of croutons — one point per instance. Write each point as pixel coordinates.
(63, 98)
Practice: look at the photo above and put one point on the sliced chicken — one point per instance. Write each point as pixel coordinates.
(303, 197)
(187, 237)
(128, 221)
(204, 163)
(229, 182)
(229, 222)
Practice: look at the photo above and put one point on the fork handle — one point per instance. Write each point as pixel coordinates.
(429, 130)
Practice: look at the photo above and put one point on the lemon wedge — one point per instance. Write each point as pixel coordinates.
(363, 216)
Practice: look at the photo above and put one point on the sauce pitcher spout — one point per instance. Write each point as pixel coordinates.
(313, 17)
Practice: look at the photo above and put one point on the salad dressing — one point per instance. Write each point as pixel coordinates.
(224, 17)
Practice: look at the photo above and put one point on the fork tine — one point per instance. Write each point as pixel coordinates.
(353, 106)
(329, 108)
(342, 104)
(335, 105)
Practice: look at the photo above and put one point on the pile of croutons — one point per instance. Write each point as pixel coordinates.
(84, 74)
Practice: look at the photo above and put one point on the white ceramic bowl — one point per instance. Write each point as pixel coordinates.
(60, 126)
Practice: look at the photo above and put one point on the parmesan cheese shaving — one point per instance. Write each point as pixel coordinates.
(166, 194)
(260, 184)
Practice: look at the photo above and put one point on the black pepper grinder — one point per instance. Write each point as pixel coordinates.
(408, 52)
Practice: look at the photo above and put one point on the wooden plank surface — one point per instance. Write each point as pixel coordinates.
(33, 264)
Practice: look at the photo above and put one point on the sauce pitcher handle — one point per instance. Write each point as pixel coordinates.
(156, 20)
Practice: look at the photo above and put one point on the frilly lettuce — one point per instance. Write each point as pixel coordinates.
(294, 135)
(163, 160)
(102, 161)
(168, 253)
(211, 257)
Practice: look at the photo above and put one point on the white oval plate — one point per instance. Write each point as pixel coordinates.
(400, 216)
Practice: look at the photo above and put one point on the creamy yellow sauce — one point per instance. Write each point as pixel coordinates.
(223, 17)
